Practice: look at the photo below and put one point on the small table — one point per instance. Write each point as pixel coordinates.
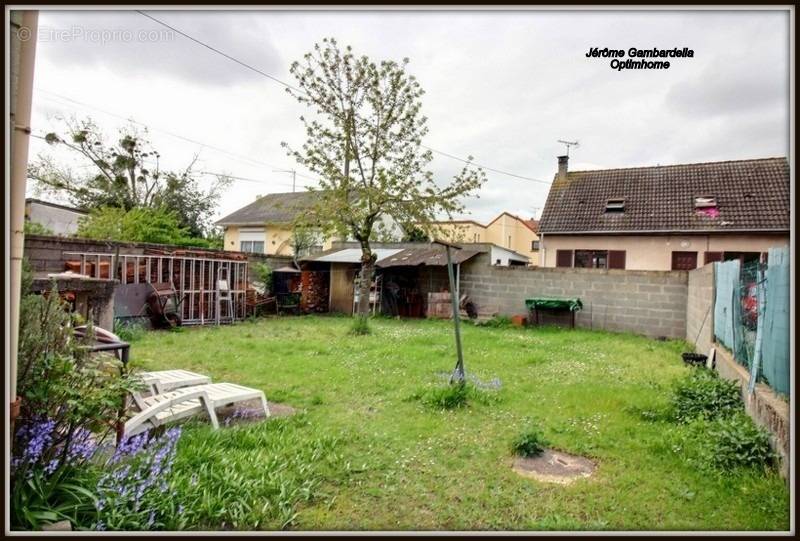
(552, 304)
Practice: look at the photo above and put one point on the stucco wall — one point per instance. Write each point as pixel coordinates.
(700, 308)
(654, 252)
(644, 302)
(276, 239)
(60, 221)
(506, 226)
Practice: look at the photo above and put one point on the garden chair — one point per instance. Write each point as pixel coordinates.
(171, 406)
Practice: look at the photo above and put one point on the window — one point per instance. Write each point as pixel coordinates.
(252, 239)
(615, 205)
(684, 260)
(563, 258)
(534, 246)
(509, 241)
(705, 201)
(252, 246)
(706, 206)
(591, 259)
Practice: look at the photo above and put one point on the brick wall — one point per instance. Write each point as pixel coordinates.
(699, 308)
(652, 303)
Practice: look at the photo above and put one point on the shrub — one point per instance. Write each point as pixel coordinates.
(70, 401)
(736, 441)
(704, 394)
(530, 443)
(360, 326)
(263, 276)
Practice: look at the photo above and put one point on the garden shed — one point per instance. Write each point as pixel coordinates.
(404, 274)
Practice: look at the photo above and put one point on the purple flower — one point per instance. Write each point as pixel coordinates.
(151, 519)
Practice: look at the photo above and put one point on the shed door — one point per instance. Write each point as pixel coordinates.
(684, 260)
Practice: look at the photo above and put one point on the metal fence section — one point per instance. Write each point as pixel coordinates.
(751, 316)
(775, 343)
(195, 279)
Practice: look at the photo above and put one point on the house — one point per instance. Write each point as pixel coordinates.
(60, 219)
(673, 217)
(506, 230)
(265, 226)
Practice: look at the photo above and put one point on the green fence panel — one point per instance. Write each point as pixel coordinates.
(775, 345)
(727, 282)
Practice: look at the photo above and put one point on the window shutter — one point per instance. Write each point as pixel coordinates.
(563, 258)
(711, 257)
(616, 259)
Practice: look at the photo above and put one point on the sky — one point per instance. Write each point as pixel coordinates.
(501, 86)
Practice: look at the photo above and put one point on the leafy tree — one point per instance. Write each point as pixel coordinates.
(125, 174)
(35, 228)
(413, 233)
(303, 239)
(135, 225)
(365, 143)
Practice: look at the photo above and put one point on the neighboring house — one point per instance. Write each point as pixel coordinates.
(265, 225)
(59, 219)
(506, 230)
(673, 217)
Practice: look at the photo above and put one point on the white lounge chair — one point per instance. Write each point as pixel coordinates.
(163, 381)
(187, 401)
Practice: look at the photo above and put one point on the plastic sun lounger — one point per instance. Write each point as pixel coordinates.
(188, 401)
(164, 381)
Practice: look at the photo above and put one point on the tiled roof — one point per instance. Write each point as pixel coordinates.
(750, 194)
(274, 208)
(533, 225)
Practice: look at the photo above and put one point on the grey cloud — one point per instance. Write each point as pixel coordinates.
(130, 44)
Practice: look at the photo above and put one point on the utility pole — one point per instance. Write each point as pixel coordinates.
(292, 171)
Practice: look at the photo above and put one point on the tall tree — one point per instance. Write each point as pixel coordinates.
(125, 174)
(365, 144)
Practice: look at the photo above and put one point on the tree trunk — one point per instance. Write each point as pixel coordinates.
(367, 271)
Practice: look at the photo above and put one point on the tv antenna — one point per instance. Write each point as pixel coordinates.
(569, 144)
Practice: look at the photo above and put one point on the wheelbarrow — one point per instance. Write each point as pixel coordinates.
(163, 306)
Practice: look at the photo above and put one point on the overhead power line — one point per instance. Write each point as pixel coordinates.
(287, 85)
(171, 134)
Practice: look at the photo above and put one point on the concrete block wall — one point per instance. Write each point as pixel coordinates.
(700, 308)
(651, 303)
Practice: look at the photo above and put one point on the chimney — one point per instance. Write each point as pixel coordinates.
(562, 167)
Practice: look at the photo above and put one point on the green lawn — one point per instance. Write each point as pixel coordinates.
(363, 454)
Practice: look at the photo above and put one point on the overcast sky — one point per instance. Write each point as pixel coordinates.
(500, 86)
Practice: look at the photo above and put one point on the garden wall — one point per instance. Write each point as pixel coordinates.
(652, 303)
(46, 253)
(699, 308)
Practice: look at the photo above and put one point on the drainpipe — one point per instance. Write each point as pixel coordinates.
(542, 252)
(25, 40)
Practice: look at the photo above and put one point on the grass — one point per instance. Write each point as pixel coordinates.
(375, 459)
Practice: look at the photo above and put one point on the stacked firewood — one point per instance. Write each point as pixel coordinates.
(314, 289)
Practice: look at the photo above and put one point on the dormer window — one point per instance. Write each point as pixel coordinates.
(704, 202)
(615, 205)
(706, 205)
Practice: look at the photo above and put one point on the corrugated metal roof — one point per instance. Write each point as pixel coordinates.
(434, 256)
(352, 255)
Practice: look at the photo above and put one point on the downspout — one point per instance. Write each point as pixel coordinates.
(20, 137)
(542, 251)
